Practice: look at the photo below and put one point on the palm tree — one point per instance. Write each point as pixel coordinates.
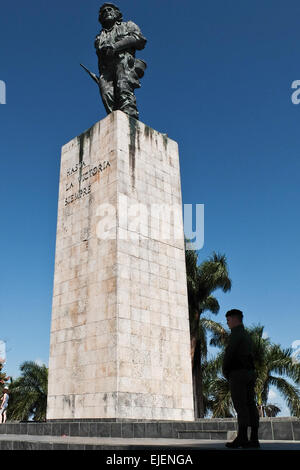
(271, 411)
(210, 368)
(28, 393)
(274, 367)
(202, 281)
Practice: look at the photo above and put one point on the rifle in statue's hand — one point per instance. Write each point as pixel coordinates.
(91, 74)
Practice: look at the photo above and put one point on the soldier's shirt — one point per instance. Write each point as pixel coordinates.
(239, 351)
(117, 33)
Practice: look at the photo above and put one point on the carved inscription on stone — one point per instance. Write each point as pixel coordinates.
(84, 172)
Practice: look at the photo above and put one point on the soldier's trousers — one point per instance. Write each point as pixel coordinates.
(242, 384)
(117, 84)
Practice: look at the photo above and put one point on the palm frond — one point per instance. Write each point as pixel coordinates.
(221, 398)
(28, 393)
(281, 362)
(289, 392)
(210, 304)
(219, 334)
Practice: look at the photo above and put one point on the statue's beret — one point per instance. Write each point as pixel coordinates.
(107, 4)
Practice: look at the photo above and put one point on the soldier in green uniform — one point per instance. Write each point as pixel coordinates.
(238, 369)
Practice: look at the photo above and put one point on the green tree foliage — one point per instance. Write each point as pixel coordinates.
(28, 393)
(202, 281)
(274, 366)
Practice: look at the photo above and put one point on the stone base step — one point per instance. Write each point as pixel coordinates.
(26, 442)
(269, 429)
(169, 430)
(214, 434)
(144, 447)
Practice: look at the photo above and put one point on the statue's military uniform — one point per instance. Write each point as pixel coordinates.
(238, 368)
(120, 73)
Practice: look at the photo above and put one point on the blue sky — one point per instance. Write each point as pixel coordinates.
(219, 83)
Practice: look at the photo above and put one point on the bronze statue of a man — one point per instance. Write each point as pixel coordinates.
(119, 70)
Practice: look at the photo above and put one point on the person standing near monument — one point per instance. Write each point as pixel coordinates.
(120, 71)
(4, 405)
(238, 369)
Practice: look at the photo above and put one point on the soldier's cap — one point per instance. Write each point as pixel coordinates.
(234, 313)
(107, 4)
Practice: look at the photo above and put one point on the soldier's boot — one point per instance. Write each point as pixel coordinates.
(241, 440)
(253, 442)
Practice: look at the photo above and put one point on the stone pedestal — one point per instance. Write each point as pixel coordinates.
(120, 345)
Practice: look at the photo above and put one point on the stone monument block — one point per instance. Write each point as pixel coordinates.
(120, 344)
